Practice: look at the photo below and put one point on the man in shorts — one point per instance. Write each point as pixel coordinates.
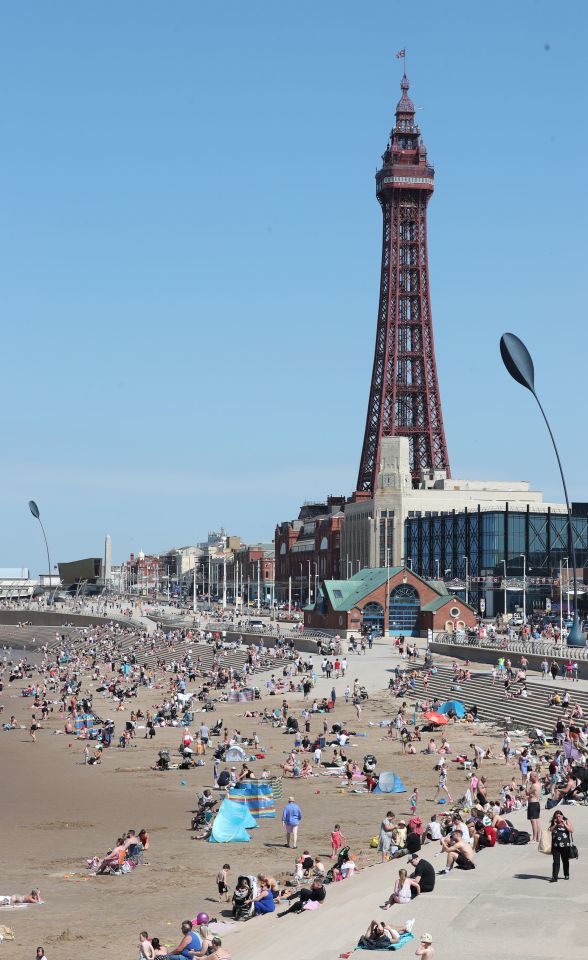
(459, 853)
(533, 791)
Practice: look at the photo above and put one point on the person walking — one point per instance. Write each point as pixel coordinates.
(442, 785)
(561, 830)
(291, 819)
(554, 670)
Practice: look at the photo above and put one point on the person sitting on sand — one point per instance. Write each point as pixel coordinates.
(10, 901)
(113, 858)
(146, 951)
(288, 767)
(144, 838)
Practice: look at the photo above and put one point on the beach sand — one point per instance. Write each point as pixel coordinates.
(56, 812)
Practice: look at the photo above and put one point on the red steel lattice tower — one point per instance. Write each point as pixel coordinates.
(404, 395)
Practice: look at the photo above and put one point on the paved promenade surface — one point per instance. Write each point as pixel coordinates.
(504, 909)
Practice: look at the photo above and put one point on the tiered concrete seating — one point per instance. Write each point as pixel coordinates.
(494, 706)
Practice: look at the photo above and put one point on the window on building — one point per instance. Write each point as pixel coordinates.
(404, 609)
(373, 618)
(516, 535)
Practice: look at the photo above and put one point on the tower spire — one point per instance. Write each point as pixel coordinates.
(404, 396)
(405, 104)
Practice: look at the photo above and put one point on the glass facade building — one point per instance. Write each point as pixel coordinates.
(438, 545)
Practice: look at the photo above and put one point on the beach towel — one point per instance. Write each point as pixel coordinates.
(404, 939)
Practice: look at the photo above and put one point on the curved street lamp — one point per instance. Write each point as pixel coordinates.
(518, 362)
(35, 512)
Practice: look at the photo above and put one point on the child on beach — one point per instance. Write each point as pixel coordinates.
(426, 950)
(221, 882)
(336, 841)
(414, 800)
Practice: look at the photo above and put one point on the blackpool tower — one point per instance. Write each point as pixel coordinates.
(404, 395)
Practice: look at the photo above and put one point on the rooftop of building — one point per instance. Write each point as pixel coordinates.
(345, 594)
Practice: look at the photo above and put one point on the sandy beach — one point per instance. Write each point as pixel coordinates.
(56, 812)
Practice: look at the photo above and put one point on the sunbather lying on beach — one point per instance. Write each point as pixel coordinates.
(33, 897)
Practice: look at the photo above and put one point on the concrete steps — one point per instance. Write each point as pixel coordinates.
(493, 706)
(146, 651)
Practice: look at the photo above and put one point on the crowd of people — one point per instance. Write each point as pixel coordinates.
(114, 658)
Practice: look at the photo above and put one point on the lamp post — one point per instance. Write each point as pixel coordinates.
(467, 595)
(560, 601)
(437, 564)
(524, 588)
(387, 600)
(224, 573)
(35, 512)
(566, 560)
(504, 562)
(518, 362)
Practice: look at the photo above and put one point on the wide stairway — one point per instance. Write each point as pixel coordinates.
(147, 651)
(493, 705)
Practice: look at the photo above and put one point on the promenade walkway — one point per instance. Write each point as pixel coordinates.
(504, 909)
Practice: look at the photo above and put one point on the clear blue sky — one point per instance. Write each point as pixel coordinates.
(190, 245)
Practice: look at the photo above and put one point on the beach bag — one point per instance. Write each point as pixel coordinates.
(551, 803)
(519, 837)
(374, 843)
(545, 842)
(574, 855)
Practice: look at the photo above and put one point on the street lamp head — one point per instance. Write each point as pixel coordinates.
(34, 509)
(517, 360)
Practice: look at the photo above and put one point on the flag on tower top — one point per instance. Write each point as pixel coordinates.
(400, 54)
